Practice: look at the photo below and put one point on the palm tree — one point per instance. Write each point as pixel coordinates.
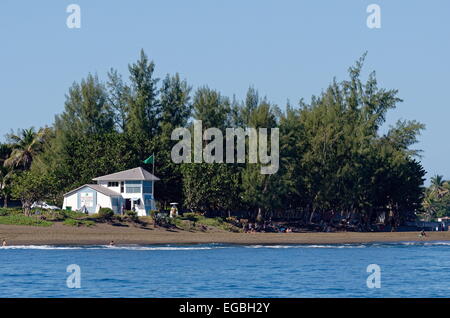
(5, 174)
(439, 187)
(435, 197)
(26, 144)
(429, 204)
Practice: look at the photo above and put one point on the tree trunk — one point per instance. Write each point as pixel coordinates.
(306, 214)
(5, 202)
(312, 215)
(26, 206)
(259, 217)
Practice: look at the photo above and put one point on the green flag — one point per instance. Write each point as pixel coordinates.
(149, 160)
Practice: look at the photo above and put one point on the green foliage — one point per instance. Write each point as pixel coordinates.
(144, 108)
(20, 219)
(153, 213)
(6, 174)
(18, 155)
(78, 223)
(175, 112)
(86, 109)
(212, 188)
(39, 217)
(197, 220)
(72, 222)
(73, 214)
(131, 216)
(436, 201)
(9, 211)
(161, 219)
(334, 162)
(105, 213)
(32, 186)
(211, 107)
(130, 213)
(26, 144)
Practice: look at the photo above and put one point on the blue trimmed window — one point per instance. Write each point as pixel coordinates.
(148, 187)
(115, 201)
(133, 186)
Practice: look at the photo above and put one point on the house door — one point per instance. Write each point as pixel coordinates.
(128, 204)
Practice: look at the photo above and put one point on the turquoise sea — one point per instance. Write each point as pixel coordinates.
(408, 269)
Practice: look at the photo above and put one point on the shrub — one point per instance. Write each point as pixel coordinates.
(153, 214)
(105, 213)
(88, 223)
(131, 214)
(50, 215)
(72, 222)
(218, 222)
(20, 219)
(10, 211)
(161, 219)
(73, 214)
(191, 216)
(181, 223)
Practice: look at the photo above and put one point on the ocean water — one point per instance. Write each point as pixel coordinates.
(408, 269)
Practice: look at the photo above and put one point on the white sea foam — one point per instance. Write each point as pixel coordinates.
(221, 246)
(307, 246)
(271, 246)
(433, 243)
(107, 247)
(438, 243)
(39, 247)
(162, 248)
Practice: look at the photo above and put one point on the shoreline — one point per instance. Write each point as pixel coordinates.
(102, 234)
(236, 244)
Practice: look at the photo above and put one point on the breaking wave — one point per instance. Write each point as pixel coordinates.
(215, 246)
(309, 246)
(107, 247)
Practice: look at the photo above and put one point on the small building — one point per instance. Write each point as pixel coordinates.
(126, 190)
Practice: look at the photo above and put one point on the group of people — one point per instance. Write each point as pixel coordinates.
(266, 227)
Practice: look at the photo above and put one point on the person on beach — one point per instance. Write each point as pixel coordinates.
(112, 243)
(423, 234)
(4, 243)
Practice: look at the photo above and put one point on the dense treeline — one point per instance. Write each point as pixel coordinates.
(335, 165)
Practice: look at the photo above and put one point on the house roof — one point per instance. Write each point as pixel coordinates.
(135, 174)
(98, 188)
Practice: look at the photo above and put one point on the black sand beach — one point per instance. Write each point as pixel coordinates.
(100, 234)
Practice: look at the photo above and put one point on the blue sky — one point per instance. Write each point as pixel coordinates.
(287, 49)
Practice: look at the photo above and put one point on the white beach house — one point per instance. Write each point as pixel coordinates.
(126, 190)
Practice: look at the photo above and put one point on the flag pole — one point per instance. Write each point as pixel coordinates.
(153, 163)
